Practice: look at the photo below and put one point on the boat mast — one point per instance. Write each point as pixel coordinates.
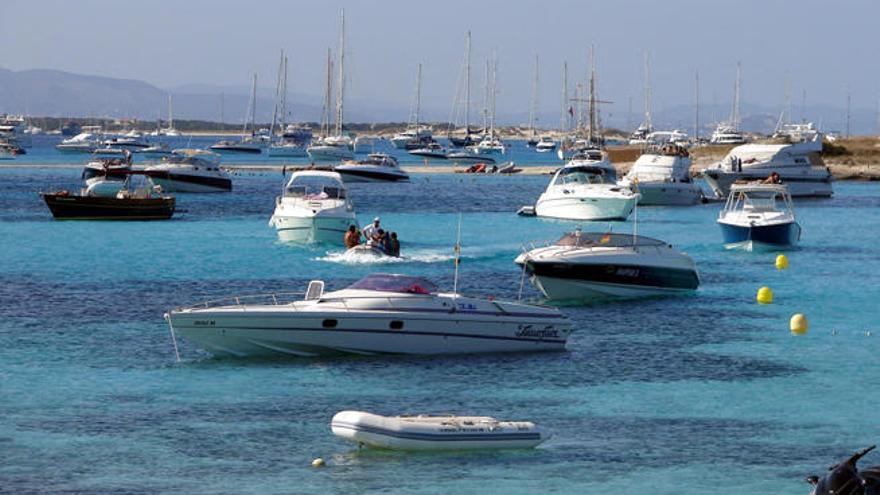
(486, 100)
(284, 97)
(697, 107)
(648, 125)
(734, 116)
(533, 110)
(494, 87)
(277, 94)
(564, 118)
(340, 89)
(170, 113)
(418, 95)
(467, 85)
(592, 100)
(254, 106)
(328, 91)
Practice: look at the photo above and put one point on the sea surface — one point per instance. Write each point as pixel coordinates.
(707, 393)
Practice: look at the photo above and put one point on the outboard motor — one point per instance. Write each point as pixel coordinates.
(846, 479)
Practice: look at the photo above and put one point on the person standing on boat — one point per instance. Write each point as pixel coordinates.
(352, 237)
(371, 231)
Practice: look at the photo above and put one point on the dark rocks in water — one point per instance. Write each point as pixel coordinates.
(846, 479)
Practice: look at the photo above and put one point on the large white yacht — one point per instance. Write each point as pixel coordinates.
(84, 142)
(380, 314)
(587, 266)
(378, 167)
(331, 149)
(662, 176)
(586, 189)
(727, 133)
(190, 171)
(797, 164)
(314, 208)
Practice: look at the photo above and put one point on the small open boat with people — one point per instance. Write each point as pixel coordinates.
(435, 432)
(759, 213)
(143, 203)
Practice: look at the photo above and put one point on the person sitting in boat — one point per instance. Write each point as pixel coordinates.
(352, 237)
(371, 231)
(772, 179)
(392, 247)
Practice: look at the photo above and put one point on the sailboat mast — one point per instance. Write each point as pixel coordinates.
(418, 95)
(328, 90)
(254, 106)
(283, 119)
(592, 108)
(170, 113)
(697, 107)
(494, 87)
(647, 94)
(467, 85)
(486, 99)
(277, 94)
(534, 106)
(565, 117)
(736, 93)
(340, 90)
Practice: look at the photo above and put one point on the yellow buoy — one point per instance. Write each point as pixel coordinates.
(781, 262)
(799, 324)
(765, 295)
(318, 462)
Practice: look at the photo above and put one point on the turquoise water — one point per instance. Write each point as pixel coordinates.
(698, 394)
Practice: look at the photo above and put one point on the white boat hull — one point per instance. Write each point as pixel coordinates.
(806, 182)
(669, 193)
(586, 208)
(309, 230)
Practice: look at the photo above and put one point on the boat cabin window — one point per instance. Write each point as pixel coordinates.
(759, 201)
(314, 188)
(580, 175)
(402, 284)
(607, 239)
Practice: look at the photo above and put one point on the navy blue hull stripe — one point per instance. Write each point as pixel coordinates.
(440, 437)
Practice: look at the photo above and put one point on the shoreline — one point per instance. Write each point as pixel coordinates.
(840, 171)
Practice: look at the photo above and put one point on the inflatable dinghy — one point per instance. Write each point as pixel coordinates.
(435, 432)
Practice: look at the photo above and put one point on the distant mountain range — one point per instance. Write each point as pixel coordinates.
(53, 93)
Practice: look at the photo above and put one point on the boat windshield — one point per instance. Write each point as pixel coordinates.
(599, 239)
(580, 175)
(314, 188)
(403, 284)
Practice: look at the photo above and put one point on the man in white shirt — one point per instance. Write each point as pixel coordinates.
(371, 231)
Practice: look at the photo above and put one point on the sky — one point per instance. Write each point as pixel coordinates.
(824, 48)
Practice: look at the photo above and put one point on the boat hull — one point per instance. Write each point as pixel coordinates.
(312, 230)
(287, 151)
(241, 149)
(233, 333)
(602, 281)
(814, 183)
(779, 234)
(69, 207)
(364, 174)
(184, 183)
(329, 153)
(585, 208)
(669, 193)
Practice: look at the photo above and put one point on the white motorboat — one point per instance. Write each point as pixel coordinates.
(190, 171)
(105, 177)
(431, 151)
(380, 314)
(589, 266)
(798, 165)
(126, 142)
(84, 142)
(727, 133)
(435, 432)
(378, 167)
(491, 145)
(585, 189)
(160, 150)
(676, 137)
(330, 150)
(545, 144)
(314, 208)
(469, 156)
(298, 133)
(662, 176)
(759, 213)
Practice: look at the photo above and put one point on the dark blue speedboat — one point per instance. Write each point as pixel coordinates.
(759, 213)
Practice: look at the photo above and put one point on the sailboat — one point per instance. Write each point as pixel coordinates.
(729, 132)
(286, 146)
(339, 146)
(252, 144)
(533, 140)
(169, 131)
(470, 138)
(416, 136)
(640, 135)
(491, 143)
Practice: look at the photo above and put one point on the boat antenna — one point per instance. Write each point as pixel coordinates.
(457, 258)
(522, 278)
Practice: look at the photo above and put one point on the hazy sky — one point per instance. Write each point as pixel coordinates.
(823, 46)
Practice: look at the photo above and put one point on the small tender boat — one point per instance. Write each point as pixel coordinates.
(379, 314)
(378, 167)
(759, 213)
(190, 171)
(545, 144)
(370, 250)
(435, 432)
(314, 208)
(588, 266)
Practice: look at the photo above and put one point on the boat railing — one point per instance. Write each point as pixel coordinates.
(272, 298)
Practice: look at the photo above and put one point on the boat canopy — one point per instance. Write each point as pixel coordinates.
(756, 198)
(581, 174)
(387, 282)
(600, 239)
(315, 185)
